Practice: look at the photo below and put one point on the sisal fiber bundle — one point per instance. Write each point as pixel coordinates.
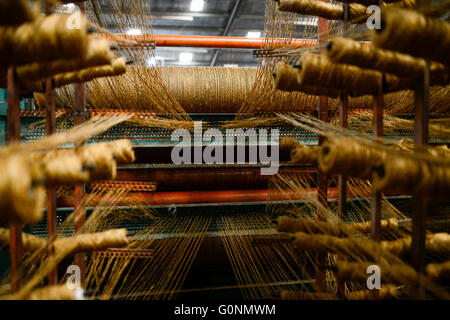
(45, 39)
(326, 243)
(122, 151)
(347, 51)
(437, 242)
(117, 67)
(22, 198)
(285, 79)
(100, 158)
(349, 157)
(30, 242)
(439, 271)
(322, 9)
(64, 168)
(206, 90)
(389, 225)
(318, 70)
(14, 12)
(60, 292)
(411, 32)
(402, 174)
(385, 292)
(115, 238)
(305, 154)
(98, 54)
(309, 226)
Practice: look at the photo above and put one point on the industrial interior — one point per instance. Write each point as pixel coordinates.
(224, 149)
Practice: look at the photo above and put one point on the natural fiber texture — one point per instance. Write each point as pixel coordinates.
(100, 156)
(402, 174)
(98, 53)
(202, 89)
(351, 158)
(386, 292)
(322, 9)
(62, 167)
(122, 151)
(14, 12)
(318, 70)
(388, 225)
(439, 271)
(21, 197)
(413, 33)
(116, 238)
(60, 292)
(310, 226)
(285, 79)
(305, 155)
(30, 243)
(347, 51)
(117, 67)
(438, 242)
(45, 39)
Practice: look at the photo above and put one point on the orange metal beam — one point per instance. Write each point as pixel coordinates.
(212, 41)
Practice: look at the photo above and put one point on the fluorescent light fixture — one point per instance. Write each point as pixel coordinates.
(186, 57)
(197, 5)
(231, 65)
(253, 34)
(180, 18)
(134, 32)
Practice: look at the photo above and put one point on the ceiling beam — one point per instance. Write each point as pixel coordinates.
(234, 11)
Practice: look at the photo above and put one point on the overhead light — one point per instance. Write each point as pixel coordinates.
(151, 62)
(197, 5)
(186, 57)
(134, 32)
(231, 65)
(181, 18)
(253, 34)
(69, 8)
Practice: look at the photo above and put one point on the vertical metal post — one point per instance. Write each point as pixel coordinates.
(80, 210)
(51, 192)
(421, 100)
(322, 187)
(342, 179)
(377, 131)
(13, 135)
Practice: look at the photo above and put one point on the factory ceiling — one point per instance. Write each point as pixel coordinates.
(238, 18)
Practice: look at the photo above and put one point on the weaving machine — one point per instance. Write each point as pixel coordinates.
(141, 227)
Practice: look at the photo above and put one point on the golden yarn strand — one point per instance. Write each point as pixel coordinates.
(347, 51)
(43, 40)
(318, 70)
(413, 33)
